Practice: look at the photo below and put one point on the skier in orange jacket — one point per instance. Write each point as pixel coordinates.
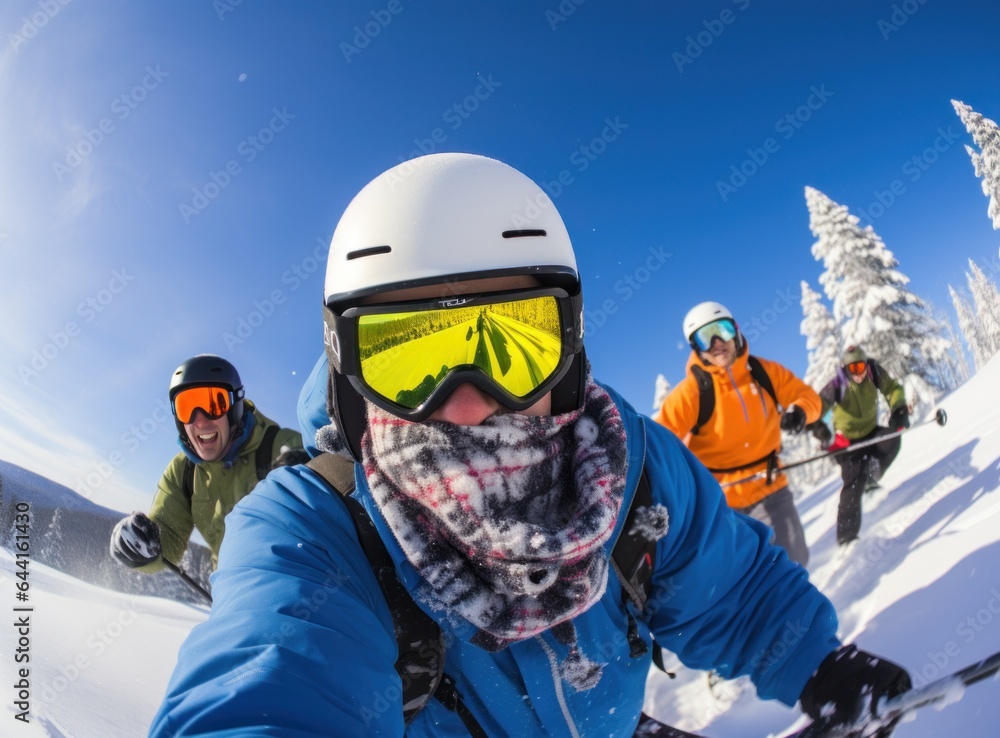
(730, 409)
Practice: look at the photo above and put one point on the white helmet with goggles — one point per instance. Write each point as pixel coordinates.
(705, 314)
(439, 220)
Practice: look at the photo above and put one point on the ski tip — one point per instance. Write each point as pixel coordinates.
(941, 416)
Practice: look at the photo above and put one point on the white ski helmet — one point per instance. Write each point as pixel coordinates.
(436, 219)
(704, 313)
(446, 217)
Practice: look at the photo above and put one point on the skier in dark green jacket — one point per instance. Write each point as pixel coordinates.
(853, 395)
(227, 447)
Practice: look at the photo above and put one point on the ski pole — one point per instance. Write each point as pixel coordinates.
(940, 418)
(944, 688)
(188, 580)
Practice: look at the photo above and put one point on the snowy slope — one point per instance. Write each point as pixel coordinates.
(99, 659)
(921, 587)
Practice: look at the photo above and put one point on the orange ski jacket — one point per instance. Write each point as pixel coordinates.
(744, 429)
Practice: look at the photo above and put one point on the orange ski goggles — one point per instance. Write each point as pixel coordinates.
(408, 357)
(857, 367)
(213, 400)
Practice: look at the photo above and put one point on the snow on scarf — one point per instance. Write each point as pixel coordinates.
(506, 521)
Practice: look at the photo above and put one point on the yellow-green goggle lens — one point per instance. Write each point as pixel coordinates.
(405, 356)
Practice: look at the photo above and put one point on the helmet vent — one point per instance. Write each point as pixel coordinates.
(525, 233)
(372, 251)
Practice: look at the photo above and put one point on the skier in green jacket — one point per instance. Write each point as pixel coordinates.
(853, 395)
(228, 446)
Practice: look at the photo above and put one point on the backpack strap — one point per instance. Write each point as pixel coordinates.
(633, 555)
(448, 696)
(876, 373)
(265, 451)
(759, 375)
(633, 558)
(420, 642)
(187, 480)
(706, 390)
(706, 397)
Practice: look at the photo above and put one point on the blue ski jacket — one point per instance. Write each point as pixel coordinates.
(300, 639)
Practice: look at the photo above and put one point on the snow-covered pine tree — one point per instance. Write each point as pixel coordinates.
(969, 327)
(823, 339)
(986, 300)
(986, 162)
(660, 392)
(870, 300)
(956, 363)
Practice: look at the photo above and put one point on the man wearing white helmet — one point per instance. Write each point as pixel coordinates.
(495, 491)
(730, 409)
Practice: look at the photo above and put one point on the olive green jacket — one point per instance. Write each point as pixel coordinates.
(216, 492)
(855, 406)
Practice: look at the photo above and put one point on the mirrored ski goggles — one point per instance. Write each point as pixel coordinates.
(212, 400)
(857, 367)
(407, 357)
(724, 328)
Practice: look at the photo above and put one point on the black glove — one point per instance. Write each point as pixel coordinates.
(821, 432)
(290, 457)
(794, 419)
(900, 418)
(849, 685)
(135, 541)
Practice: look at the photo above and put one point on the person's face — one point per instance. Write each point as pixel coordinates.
(209, 438)
(721, 353)
(467, 404)
(858, 371)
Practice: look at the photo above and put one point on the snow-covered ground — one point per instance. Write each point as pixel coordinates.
(922, 587)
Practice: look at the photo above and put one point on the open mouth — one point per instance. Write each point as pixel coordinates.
(207, 439)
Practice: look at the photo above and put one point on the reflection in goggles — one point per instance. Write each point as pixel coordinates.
(724, 329)
(857, 367)
(405, 356)
(213, 401)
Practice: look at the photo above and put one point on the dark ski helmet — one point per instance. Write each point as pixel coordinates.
(435, 220)
(205, 370)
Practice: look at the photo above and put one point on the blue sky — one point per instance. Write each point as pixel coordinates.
(173, 173)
